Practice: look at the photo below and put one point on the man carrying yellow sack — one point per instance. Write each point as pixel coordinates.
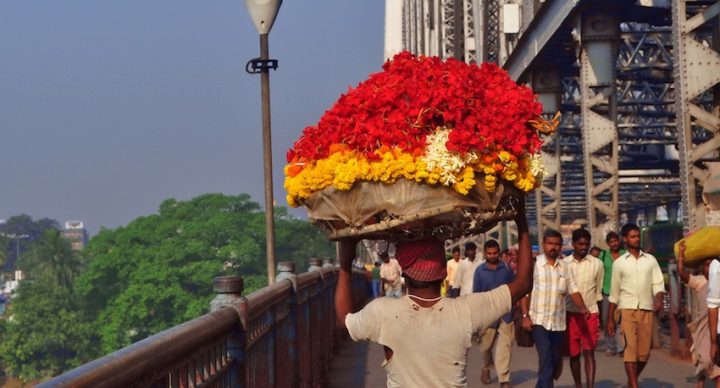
(700, 333)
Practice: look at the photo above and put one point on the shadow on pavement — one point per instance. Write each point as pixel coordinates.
(349, 366)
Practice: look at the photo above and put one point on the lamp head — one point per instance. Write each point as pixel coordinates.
(263, 13)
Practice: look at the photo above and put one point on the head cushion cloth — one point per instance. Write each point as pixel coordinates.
(422, 260)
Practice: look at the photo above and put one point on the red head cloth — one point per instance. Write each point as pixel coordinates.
(422, 260)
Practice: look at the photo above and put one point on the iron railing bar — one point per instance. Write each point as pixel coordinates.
(123, 367)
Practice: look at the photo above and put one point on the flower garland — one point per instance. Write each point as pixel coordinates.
(425, 120)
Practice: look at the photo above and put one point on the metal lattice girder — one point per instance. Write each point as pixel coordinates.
(469, 42)
(696, 67)
(600, 33)
(547, 85)
(451, 40)
(491, 31)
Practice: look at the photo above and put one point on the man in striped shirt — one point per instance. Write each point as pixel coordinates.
(545, 317)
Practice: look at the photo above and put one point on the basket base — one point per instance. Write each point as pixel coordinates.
(407, 210)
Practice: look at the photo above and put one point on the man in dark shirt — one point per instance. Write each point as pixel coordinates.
(489, 275)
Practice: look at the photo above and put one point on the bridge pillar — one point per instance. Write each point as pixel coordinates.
(228, 293)
(695, 63)
(672, 211)
(546, 84)
(599, 37)
(651, 215)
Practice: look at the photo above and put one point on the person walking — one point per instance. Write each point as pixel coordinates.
(700, 349)
(544, 315)
(463, 282)
(391, 276)
(496, 340)
(452, 266)
(583, 327)
(608, 257)
(636, 289)
(426, 337)
(376, 279)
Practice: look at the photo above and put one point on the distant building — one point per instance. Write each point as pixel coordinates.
(75, 232)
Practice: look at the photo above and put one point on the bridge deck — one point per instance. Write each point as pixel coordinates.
(358, 366)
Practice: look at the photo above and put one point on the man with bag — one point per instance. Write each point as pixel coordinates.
(426, 337)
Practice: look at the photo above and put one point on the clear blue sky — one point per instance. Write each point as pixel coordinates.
(109, 107)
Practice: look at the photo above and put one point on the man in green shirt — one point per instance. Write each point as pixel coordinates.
(608, 257)
(376, 280)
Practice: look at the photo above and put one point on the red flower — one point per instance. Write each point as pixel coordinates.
(412, 96)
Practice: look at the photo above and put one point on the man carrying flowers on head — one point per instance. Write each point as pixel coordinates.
(424, 151)
(426, 337)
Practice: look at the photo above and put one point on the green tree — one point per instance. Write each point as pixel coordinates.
(46, 334)
(154, 273)
(157, 271)
(296, 240)
(22, 225)
(52, 258)
(3, 250)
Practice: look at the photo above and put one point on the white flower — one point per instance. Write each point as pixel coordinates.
(537, 169)
(438, 157)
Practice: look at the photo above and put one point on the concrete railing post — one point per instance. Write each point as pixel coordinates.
(228, 293)
(287, 357)
(286, 270)
(314, 264)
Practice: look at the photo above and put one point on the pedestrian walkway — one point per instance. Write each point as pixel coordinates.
(358, 365)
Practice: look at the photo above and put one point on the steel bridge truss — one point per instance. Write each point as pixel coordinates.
(619, 74)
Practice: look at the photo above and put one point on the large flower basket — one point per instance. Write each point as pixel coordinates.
(424, 148)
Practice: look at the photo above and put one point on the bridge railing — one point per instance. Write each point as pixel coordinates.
(282, 335)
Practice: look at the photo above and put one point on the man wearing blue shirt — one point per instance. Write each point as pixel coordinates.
(489, 275)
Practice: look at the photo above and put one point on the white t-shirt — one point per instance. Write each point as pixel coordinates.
(429, 345)
(713, 297)
(465, 274)
(392, 272)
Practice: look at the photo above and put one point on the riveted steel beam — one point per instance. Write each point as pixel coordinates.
(599, 37)
(696, 64)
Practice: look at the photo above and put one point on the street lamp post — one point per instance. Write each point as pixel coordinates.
(17, 238)
(263, 14)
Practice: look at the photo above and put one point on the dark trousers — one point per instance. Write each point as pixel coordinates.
(549, 347)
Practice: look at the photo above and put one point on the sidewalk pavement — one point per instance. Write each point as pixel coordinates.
(358, 366)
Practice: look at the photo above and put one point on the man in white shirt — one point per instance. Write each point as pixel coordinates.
(390, 276)
(582, 329)
(637, 290)
(452, 266)
(426, 337)
(713, 303)
(463, 283)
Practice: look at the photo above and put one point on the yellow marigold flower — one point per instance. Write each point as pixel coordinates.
(504, 156)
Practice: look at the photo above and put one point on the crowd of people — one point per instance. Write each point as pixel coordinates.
(566, 304)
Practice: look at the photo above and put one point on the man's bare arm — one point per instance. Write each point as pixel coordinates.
(343, 291)
(523, 280)
(579, 302)
(610, 325)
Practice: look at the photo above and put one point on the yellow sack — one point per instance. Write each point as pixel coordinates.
(701, 244)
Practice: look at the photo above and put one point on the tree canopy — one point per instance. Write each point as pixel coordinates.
(142, 278)
(21, 225)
